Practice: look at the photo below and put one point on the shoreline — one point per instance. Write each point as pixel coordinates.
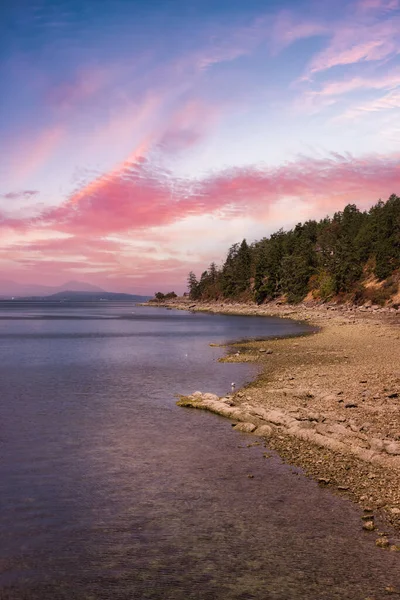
(327, 402)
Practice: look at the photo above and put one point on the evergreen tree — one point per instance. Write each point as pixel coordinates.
(193, 287)
(327, 257)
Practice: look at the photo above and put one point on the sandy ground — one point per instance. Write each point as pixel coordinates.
(328, 402)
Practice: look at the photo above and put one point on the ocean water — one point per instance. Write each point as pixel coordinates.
(108, 490)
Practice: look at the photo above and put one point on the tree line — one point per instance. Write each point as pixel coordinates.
(333, 257)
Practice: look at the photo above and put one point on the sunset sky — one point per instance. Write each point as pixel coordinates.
(141, 138)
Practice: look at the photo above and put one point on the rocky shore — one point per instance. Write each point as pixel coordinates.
(327, 402)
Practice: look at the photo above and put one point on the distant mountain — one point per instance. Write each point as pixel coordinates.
(9, 289)
(79, 286)
(89, 296)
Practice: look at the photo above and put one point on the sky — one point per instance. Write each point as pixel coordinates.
(139, 139)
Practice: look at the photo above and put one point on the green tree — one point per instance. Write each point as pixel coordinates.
(193, 286)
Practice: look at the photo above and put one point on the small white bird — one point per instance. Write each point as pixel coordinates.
(233, 385)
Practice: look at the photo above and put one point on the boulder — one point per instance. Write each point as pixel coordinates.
(212, 397)
(392, 448)
(245, 427)
(277, 417)
(376, 444)
(263, 430)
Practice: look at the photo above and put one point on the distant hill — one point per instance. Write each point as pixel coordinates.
(9, 289)
(89, 296)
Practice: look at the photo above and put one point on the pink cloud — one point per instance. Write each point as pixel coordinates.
(320, 183)
(386, 102)
(366, 32)
(188, 125)
(330, 92)
(18, 195)
(138, 195)
(353, 46)
(378, 5)
(31, 154)
(358, 41)
(85, 84)
(288, 28)
(344, 86)
(99, 261)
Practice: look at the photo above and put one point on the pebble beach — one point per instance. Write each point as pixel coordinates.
(328, 402)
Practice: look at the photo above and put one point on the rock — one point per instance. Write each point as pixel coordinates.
(353, 426)
(324, 481)
(277, 417)
(350, 405)
(303, 425)
(261, 350)
(263, 430)
(367, 517)
(343, 488)
(392, 448)
(369, 526)
(245, 427)
(382, 542)
(313, 416)
(197, 394)
(376, 444)
(390, 589)
(395, 511)
(269, 351)
(211, 397)
(330, 398)
(394, 548)
(224, 399)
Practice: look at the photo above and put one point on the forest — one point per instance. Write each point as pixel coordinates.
(352, 256)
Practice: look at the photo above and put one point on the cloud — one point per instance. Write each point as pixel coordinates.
(30, 154)
(113, 264)
(344, 86)
(321, 183)
(386, 102)
(19, 195)
(288, 28)
(357, 43)
(365, 32)
(188, 125)
(82, 86)
(333, 91)
(368, 6)
(141, 194)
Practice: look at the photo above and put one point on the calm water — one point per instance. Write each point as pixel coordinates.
(109, 491)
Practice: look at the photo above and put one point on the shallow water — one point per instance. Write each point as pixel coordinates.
(108, 490)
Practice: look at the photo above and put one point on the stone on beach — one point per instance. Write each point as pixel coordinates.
(245, 427)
